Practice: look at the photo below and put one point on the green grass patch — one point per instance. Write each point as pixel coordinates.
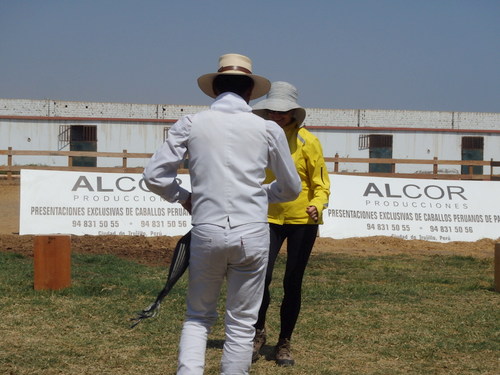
(360, 315)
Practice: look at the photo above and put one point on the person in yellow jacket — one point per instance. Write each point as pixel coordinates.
(298, 220)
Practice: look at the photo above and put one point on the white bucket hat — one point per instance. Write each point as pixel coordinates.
(281, 98)
(234, 64)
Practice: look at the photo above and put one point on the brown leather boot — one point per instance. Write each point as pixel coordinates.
(283, 353)
(258, 342)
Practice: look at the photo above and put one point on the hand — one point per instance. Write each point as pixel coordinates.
(312, 211)
(187, 204)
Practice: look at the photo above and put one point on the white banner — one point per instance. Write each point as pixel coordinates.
(120, 204)
(431, 210)
(97, 204)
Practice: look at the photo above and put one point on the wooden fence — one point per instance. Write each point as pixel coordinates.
(435, 162)
(12, 169)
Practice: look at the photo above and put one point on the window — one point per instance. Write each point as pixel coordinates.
(64, 136)
(363, 142)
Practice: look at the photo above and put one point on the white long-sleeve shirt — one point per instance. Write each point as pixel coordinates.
(229, 148)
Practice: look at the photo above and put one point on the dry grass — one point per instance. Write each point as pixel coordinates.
(382, 315)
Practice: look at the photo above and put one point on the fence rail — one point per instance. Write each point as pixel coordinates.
(435, 162)
(12, 169)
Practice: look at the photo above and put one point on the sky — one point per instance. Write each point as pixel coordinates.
(429, 55)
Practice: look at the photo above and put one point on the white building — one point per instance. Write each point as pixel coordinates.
(141, 128)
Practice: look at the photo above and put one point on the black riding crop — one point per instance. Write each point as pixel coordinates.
(179, 264)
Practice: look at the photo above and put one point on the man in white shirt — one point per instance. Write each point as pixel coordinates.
(229, 148)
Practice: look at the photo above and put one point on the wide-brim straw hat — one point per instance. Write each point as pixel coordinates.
(281, 98)
(235, 64)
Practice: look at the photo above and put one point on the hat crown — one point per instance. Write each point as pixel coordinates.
(235, 63)
(283, 91)
(282, 97)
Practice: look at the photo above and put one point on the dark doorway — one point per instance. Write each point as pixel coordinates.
(83, 138)
(380, 148)
(472, 149)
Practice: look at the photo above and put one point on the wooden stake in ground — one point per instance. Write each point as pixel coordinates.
(497, 266)
(52, 261)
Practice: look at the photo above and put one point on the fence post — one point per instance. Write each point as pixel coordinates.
(435, 166)
(497, 266)
(336, 163)
(52, 261)
(124, 159)
(9, 164)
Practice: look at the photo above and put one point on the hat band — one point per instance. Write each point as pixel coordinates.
(239, 68)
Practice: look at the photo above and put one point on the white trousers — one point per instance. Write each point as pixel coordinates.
(240, 255)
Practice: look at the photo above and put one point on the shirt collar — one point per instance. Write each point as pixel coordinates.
(230, 102)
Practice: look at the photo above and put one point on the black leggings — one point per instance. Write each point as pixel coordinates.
(300, 241)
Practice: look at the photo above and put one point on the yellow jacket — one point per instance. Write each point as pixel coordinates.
(307, 154)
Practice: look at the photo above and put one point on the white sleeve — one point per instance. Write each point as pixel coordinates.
(287, 185)
(161, 171)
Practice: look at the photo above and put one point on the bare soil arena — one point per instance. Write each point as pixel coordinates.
(157, 250)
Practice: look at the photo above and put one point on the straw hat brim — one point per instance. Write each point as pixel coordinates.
(261, 85)
(279, 105)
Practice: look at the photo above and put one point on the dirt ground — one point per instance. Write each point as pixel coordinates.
(157, 250)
